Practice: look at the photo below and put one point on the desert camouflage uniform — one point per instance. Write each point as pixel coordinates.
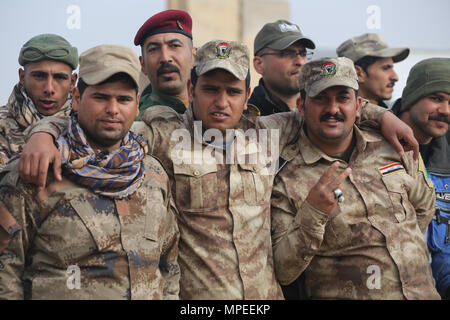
(378, 226)
(125, 249)
(224, 210)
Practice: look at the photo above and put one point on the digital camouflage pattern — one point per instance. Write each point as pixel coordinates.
(379, 225)
(223, 210)
(125, 249)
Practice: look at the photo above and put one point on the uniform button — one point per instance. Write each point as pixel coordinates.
(255, 168)
(196, 173)
(446, 186)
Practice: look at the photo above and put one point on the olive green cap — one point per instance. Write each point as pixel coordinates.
(48, 47)
(101, 62)
(370, 44)
(426, 77)
(279, 35)
(232, 56)
(320, 74)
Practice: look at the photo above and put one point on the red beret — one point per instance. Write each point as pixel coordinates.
(176, 21)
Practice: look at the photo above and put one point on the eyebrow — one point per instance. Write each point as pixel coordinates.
(40, 72)
(158, 43)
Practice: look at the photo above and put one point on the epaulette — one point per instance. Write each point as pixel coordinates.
(253, 110)
(159, 112)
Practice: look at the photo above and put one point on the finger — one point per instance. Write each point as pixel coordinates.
(340, 178)
(326, 176)
(25, 169)
(57, 167)
(34, 166)
(42, 171)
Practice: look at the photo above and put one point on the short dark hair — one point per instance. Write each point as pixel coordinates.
(194, 78)
(366, 62)
(303, 94)
(121, 76)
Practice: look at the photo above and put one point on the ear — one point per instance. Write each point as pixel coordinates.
(358, 106)
(300, 106)
(73, 80)
(141, 60)
(361, 74)
(194, 53)
(248, 97)
(190, 87)
(258, 64)
(138, 97)
(22, 76)
(75, 98)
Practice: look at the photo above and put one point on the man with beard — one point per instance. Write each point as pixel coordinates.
(425, 107)
(370, 244)
(374, 64)
(167, 57)
(279, 53)
(107, 230)
(45, 82)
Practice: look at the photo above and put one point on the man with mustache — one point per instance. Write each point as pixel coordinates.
(280, 50)
(425, 107)
(167, 57)
(108, 229)
(370, 244)
(374, 63)
(45, 82)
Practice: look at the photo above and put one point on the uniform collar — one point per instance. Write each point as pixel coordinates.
(311, 154)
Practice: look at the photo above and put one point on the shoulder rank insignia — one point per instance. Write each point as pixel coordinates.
(392, 168)
(253, 110)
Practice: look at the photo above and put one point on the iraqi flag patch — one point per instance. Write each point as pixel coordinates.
(392, 168)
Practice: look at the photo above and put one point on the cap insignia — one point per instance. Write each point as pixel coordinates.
(223, 50)
(179, 25)
(328, 69)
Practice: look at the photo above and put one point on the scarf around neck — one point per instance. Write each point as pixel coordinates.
(116, 174)
(23, 110)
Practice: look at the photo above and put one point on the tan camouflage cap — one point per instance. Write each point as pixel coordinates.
(318, 75)
(279, 35)
(232, 56)
(101, 62)
(370, 44)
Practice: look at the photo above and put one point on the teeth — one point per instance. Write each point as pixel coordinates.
(218, 114)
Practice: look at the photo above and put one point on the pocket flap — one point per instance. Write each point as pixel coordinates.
(194, 170)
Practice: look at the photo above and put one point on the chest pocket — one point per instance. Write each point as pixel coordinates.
(396, 186)
(103, 225)
(196, 186)
(256, 182)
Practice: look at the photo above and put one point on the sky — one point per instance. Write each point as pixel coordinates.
(423, 26)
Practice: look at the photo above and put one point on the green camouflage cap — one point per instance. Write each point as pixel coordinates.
(370, 44)
(318, 75)
(232, 56)
(48, 47)
(101, 62)
(279, 35)
(426, 77)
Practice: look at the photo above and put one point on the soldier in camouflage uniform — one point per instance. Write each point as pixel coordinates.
(370, 245)
(44, 89)
(223, 207)
(111, 217)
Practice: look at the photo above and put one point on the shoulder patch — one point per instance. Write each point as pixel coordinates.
(391, 168)
(253, 110)
(424, 171)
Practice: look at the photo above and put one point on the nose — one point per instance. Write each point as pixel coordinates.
(394, 76)
(49, 88)
(299, 60)
(221, 100)
(333, 106)
(444, 108)
(165, 55)
(112, 107)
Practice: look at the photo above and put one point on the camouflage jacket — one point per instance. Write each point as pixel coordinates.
(373, 246)
(69, 243)
(224, 209)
